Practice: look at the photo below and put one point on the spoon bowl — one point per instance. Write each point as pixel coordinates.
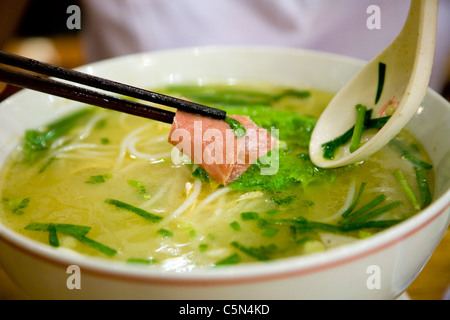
(392, 86)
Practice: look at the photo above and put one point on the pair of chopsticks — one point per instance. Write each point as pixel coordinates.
(35, 81)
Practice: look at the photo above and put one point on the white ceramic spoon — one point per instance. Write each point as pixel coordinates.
(408, 62)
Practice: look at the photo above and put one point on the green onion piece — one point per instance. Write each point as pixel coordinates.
(407, 189)
(140, 212)
(97, 246)
(359, 126)
(141, 260)
(355, 201)
(76, 231)
(235, 226)
(69, 229)
(381, 78)
(417, 161)
(329, 148)
(270, 232)
(424, 188)
(259, 253)
(238, 128)
(17, 205)
(232, 259)
(52, 236)
(377, 212)
(140, 187)
(379, 224)
(98, 179)
(361, 211)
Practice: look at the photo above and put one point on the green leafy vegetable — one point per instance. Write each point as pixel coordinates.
(361, 211)
(236, 126)
(410, 153)
(98, 179)
(201, 174)
(141, 260)
(407, 188)
(140, 187)
(37, 142)
(355, 201)
(424, 188)
(140, 212)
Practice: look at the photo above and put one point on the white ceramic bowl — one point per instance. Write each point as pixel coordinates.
(393, 257)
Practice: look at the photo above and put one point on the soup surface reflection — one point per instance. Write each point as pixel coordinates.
(105, 184)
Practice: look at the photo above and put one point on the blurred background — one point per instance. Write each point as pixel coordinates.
(37, 29)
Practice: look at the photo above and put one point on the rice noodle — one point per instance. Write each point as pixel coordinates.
(90, 125)
(213, 196)
(144, 156)
(188, 202)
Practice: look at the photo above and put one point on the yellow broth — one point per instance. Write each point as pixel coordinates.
(203, 224)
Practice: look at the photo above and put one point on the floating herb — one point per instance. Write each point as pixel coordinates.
(140, 187)
(165, 233)
(355, 200)
(141, 260)
(201, 174)
(17, 205)
(236, 126)
(261, 253)
(230, 260)
(76, 231)
(140, 212)
(361, 211)
(250, 215)
(424, 188)
(98, 179)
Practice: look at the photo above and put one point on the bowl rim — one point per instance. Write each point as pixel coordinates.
(241, 273)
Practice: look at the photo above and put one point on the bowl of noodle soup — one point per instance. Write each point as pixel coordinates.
(150, 227)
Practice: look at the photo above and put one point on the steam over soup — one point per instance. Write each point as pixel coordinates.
(109, 185)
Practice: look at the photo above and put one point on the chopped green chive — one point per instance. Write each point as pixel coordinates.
(424, 188)
(359, 126)
(232, 259)
(250, 215)
(76, 231)
(259, 253)
(140, 187)
(238, 128)
(17, 205)
(270, 232)
(140, 212)
(407, 189)
(361, 211)
(355, 201)
(141, 260)
(105, 141)
(381, 78)
(52, 236)
(202, 247)
(165, 233)
(377, 212)
(98, 179)
(235, 226)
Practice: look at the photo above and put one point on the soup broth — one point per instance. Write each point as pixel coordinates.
(104, 184)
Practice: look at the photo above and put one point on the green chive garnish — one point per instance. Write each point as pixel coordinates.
(407, 188)
(424, 188)
(140, 212)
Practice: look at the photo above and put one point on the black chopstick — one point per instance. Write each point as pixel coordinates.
(107, 85)
(64, 90)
